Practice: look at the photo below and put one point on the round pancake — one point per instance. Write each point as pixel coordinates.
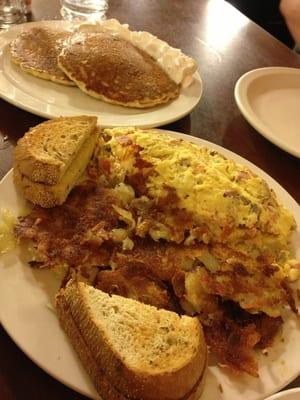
(36, 51)
(115, 71)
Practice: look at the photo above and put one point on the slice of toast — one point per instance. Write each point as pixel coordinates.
(46, 151)
(132, 350)
(53, 195)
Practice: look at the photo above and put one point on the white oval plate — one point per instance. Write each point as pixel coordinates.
(51, 100)
(269, 99)
(26, 314)
(292, 394)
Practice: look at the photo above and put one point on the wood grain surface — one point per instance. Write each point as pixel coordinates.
(226, 45)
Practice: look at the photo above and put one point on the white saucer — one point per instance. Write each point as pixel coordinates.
(292, 394)
(269, 99)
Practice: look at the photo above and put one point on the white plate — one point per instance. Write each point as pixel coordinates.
(269, 99)
(26, 316)
(292, 394)
(51, 100)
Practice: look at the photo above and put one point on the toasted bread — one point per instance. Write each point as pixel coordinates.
(132, 350)
(50, 158)
(48, 196)
(46, 151)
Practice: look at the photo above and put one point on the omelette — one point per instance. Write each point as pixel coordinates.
(188, 195)
(35, 51)
(196, 194)
(181, 227)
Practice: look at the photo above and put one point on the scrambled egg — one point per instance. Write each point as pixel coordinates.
(212, 187)
(176, 191)
(228, 199)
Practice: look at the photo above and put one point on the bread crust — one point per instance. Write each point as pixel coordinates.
(48, 196)
(184, 383)
(37, 162)
(102, 385)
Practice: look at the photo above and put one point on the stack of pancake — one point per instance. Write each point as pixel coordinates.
(104, 66)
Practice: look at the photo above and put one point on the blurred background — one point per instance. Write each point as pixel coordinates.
(266, 14)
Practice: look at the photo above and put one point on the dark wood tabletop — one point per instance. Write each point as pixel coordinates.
(226, 45)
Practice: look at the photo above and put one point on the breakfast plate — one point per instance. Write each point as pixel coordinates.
(269, 99)
(292, 394)
(51, 100)
(28, 315)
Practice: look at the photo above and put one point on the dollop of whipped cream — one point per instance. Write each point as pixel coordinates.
(180, 67)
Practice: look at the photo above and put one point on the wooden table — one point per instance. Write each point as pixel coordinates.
(226, 45)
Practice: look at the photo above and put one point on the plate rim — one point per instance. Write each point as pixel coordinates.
(240, 95)
(227, 153)
(282, 394)
(36, 110)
